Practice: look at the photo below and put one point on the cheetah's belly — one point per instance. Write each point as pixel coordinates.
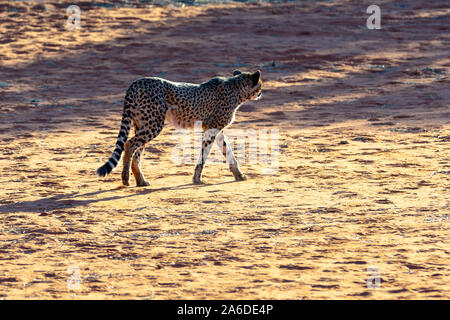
(175, 117)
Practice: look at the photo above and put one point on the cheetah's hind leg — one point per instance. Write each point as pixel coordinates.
(145, 134)
(136, 168)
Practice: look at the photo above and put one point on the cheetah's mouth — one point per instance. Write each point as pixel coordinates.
(259, 95)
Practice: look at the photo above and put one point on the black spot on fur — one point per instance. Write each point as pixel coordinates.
(113, 161)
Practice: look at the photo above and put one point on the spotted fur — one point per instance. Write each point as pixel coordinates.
(151, 102)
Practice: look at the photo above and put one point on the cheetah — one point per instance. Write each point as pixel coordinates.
(152, 102)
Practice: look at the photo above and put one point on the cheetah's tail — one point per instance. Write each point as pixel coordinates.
(121, 139)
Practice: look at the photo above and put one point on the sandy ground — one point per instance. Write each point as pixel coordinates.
(363, 181)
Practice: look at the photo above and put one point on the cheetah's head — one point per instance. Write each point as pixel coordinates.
(252, 83)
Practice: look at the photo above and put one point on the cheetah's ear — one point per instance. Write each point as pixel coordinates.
(256, 77)
(236, 72)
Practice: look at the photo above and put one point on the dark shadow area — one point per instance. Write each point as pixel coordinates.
(68, 201)
(83, 83)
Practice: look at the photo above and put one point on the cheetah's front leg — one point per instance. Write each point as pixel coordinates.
(224, 145)
(208, 139)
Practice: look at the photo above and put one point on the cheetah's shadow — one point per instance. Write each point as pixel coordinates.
(76, 199)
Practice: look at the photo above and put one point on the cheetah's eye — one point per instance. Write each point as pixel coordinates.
(236, 72)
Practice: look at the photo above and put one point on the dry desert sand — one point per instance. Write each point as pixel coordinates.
(363, 181)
